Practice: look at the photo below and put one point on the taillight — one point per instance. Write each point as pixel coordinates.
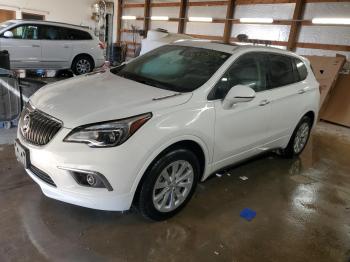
(102, 45)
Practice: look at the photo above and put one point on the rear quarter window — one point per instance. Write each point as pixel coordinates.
(301, 68)
(75, 34)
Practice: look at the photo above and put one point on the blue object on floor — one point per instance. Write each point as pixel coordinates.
(248, 214)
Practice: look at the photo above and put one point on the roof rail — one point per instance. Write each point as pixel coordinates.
(52, 22)
(243, 38)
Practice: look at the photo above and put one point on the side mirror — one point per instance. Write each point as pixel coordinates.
(238, 94)
(8, 34)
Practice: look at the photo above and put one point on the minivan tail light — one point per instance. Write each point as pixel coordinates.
(102, 45)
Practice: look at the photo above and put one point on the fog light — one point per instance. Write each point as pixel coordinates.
(89, 178)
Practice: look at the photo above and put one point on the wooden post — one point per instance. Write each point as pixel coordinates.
(295, 27)
(182, 16)
(228, 23)
(119, 20)
(146, 16)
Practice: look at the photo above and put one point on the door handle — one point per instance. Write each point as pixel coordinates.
(264, 102)
(302, 91)
(35, 45)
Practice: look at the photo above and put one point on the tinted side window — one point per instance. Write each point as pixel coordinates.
(301, 68)
(51, 33)
(73, 34)
(247, 70)
(281, 70)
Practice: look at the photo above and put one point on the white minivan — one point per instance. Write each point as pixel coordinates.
(146, 132)
(50, 45)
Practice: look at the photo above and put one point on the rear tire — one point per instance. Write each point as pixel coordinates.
(299, 138)
(168, 185)
(82, 64)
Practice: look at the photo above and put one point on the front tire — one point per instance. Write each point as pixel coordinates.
(82, 64)
(299, 138)
(168, 185)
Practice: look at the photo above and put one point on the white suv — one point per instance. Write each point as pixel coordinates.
(50, 45)
(146, 132)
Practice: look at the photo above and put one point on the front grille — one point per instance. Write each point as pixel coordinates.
(42, 175)
(36, 127)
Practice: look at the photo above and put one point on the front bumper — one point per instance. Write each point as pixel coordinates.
(90, 198)
(116, 164)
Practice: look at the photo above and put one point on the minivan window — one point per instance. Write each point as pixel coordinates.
(281, 70)
(173, 67)
(29, 32)
(301, 68)
(247, 70)
(51, 33)
(75, 34)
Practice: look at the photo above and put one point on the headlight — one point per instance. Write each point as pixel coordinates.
(107, 134)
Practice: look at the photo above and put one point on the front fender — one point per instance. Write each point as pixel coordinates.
(195, 125)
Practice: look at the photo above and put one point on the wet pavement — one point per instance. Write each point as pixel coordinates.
(302, 205)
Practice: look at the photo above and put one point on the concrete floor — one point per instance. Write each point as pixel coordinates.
(302, 205)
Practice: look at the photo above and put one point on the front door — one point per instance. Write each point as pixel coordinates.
(23, 45)
(242, 130)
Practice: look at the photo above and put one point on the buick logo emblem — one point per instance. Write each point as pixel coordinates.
(26, 124)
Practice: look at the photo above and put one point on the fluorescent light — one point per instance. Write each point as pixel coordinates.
(200, 19)
(256, 20)
(128, 17)
(331, 21)
(160, 18)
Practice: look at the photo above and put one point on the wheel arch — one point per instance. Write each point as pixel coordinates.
(193, 144)
(82, 55)
(312, 116)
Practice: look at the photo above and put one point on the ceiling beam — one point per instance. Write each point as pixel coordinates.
(119, 19)
(228, 23)
(295, 27)
(146, 16)
(182, 16)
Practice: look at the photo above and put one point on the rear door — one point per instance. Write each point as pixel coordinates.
(56, 47)
(287, 93)
(24, 46)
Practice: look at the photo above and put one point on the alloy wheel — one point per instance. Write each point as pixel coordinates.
(173, 186)
(301, 137)
(83, 66)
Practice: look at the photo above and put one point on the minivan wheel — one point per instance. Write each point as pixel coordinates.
(82, 65)
(299, 138)
(168, 185)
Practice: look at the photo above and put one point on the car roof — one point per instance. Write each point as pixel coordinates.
(26, 21)
(232, 48)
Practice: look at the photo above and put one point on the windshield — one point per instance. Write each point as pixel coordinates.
(173, 67)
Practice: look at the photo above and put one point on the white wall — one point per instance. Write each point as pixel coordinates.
(68, 11)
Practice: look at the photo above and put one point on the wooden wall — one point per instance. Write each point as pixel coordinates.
(7, 15)
(292, 28)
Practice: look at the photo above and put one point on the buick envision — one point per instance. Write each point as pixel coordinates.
(146, 132)
(50, 45)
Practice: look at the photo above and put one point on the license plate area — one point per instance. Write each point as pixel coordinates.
(22, 154)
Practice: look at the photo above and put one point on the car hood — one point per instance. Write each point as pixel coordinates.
(101, 97)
